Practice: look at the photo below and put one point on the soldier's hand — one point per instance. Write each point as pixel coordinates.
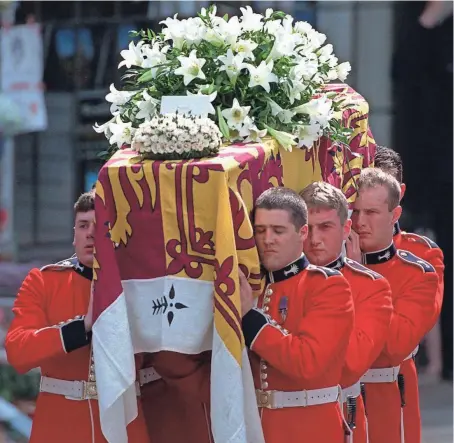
(247, 298)
(352, 247)
(88, 320)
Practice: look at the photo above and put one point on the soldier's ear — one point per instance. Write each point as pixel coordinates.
(304, 230)
(397, 212)
(347, 228)
(403, 188)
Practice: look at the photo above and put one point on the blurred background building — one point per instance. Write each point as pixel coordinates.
(403, 69)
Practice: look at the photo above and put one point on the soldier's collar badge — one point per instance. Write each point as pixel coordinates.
(289, 271)
(374, 258)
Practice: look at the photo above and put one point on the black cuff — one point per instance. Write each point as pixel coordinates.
(252, 323)
(74, 335)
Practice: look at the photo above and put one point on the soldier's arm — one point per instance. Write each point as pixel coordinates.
(31, 339)
(372, 320)
(414, 311)
(321, 337)
(435, 257)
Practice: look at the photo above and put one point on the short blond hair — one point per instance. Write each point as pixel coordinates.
(324, 195)
(373, 177)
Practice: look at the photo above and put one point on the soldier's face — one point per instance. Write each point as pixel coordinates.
(326, 234)
(372, 219)
(84, 230)
(279, 242)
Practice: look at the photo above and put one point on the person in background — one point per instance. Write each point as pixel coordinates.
(390, 162)
(51, 329)
(298, 335)
(414, 285)
(329, 227)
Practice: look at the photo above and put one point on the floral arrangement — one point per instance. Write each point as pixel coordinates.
(173, 136)
(263, 74)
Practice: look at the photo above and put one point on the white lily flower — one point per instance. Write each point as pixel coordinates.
(268, 13)
(191, 67)
(118, 98)
(250, 21)
(273, 27)
(343, 70)
(306, 68)
(175, 30)
(245, 47)
(122, 133)
(236, 114)
(214, 36)
(284, 115)
(262, 75)
(104, 127)
(285, 139)
(147, 107)
(211, 97)
(155, 56)
(231, 30)
(132, 56)
(232, 64)
(287, 24)
(284, 45)
(319, 110)
(308, 135)
(325, 55)
(303, 27)
(250, 130)
(212, 14)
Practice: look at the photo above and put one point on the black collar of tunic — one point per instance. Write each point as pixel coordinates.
(374, 258)
(337, 264)
(77, 267)
(289, 271)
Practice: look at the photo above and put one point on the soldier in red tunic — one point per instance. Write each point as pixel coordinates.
(300, 330)
(50, 331)
(414, 285)
(390, 162)
(329, 227)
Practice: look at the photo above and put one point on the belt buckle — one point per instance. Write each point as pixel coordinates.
(89, 391)
(265, 399)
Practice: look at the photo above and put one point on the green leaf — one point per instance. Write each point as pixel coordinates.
(226, 17)
(223, 124)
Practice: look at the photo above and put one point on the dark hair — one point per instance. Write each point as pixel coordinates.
(85, 203)
(389, 161)
(286, 199)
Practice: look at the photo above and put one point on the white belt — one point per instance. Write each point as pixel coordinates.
(148, 375)
(282, 399)
(75, 390)
(382, 375)
(413, 353)
(352, 391)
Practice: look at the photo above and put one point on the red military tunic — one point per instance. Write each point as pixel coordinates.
(299, 338)
(429, 251)
(414, 284)
(41, 335)
(373, 309)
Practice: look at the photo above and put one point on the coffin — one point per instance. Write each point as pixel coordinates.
(170, 236)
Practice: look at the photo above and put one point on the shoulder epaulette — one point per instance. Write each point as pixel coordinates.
(352, 264)
(327, 272)
(408, 257)
(420, 239)
(62, 265)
